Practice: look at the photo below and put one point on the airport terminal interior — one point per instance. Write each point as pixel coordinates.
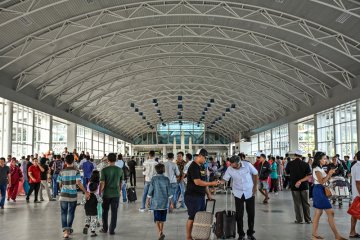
(226, 82)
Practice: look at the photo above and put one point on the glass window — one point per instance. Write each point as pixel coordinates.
(306, 135)
(325, 130)
(59, 136)
(254, 144)
(41, 132)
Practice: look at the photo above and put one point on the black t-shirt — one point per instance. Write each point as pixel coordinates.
(298, 170)
(43, 175)
(132, 164)
(194, 172)
(264, 170)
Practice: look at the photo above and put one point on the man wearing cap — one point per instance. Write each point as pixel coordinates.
(244, 187)
(299, 175)
(196, 189)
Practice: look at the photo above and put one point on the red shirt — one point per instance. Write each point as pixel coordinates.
(35, 171)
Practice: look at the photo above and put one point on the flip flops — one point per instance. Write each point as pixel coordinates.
(355, 236)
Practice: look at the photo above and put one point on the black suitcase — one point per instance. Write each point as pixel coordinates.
(225, 221)
(131, 194)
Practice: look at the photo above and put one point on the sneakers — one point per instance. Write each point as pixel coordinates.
(276, 193)
(2, 207)
(52, 199)
(93, 234)
(142, 209)
(251, 238)
(298, 222)
(85, 230)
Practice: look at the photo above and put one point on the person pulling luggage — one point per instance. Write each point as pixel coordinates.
(244, 176)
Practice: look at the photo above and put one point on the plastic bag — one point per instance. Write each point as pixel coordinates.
(354, 209)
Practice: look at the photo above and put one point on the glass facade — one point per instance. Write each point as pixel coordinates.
(22, 133)
(59, 136)
(306, 135)
(280, 140)
(325, 131)
(346, 129)
(41, 132)
(254, 144)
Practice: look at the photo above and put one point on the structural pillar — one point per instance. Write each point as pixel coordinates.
(164, 153)
(9, 126)
(174, 146)
(51, 135)
(293, 137)
(182, 141)
(71, 136)
(358, 122)
(190, 145)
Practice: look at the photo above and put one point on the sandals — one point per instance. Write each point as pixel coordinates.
(317, 237)
(355, 236)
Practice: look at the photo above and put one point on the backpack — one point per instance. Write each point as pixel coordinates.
(57, 166)
(125, 170)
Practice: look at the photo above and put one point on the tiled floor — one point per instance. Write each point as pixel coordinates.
(20, 221)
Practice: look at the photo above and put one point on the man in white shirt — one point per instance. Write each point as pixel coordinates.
(244, 178)
(149, 172)
(355, 180)
(172, 172)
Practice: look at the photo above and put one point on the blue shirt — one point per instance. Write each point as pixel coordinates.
(242, 179)
(274, 173)
(87, 167)
(159, 192)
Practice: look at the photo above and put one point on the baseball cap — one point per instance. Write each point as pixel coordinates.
(202, 152)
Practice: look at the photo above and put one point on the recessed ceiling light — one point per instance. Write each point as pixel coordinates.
(209, 104)
(132, 105)
(136, 110)
(212, 100)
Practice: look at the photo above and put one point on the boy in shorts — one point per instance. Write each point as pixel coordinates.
(160, 194)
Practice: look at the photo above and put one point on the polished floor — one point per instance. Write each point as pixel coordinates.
(20, 221)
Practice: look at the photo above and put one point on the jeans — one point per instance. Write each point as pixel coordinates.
(123, 190)
(67, 214)
(250, 210)
(146, 190)
(173, 191)
(3, 194)
(55, 185)
(180, 193)
(132, 177)
(26, 186)
(36, 187)
(85, 181)
(114, 204)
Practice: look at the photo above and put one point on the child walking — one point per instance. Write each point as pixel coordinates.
(160, 195)
(91, 211)
(95, 178)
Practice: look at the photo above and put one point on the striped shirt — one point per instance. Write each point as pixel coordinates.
(67, 178)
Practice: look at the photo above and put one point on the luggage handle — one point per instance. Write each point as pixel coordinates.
(226, 199)
(206, 204)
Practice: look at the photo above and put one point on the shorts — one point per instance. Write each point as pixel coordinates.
(160, 215)
(194, 204)
(264, 185)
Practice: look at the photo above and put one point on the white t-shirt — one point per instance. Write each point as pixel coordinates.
(322, 171)
(242, 179)
(149, 166)
(355, 175)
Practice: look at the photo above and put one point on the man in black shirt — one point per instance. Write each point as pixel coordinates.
(132, 164)
(299, 176)
(196, 189)
(264, 171)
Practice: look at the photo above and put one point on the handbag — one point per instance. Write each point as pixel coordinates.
(354, 209)
(328, 191)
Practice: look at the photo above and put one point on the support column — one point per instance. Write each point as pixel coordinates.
(358, 123)
(190, 145)
(164, 152)
(316, 142)
(71, 136)
(123, 148)
(8, 128)
(293, 137)
(51, 134)
(182, 141)
(174, 146)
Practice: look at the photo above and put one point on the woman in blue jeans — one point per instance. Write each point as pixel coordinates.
(68, 179)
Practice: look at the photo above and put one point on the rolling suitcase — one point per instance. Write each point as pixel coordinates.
(202, 223)
(225, 221)
(131, 194)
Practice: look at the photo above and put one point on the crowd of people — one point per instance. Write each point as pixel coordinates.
(184, 182)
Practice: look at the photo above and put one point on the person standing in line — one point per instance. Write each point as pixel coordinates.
(172, 172)
(196, 189)
(110, 188)
(300, 172)
(45, 177)
(16, 178)
(132, 164)
(244, 187)
(87, 168)
(320, 201)
(274, 176)
(264, 171)
(5, 180)
(160, 193)
(68, 178)
(181, 184)
(355, 177)
(149, 172)
(123, 165)
(57, 166)
(34, 180)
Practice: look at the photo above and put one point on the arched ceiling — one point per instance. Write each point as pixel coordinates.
(94, 58)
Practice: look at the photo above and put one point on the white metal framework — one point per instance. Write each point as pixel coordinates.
(94, 58)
